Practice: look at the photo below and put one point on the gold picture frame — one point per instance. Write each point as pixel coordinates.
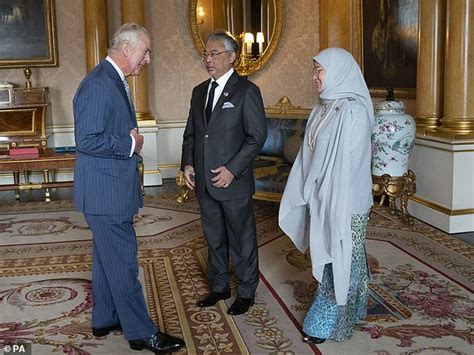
(388, 46)
(28, 34)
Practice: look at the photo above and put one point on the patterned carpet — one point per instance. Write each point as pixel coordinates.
(421, 293)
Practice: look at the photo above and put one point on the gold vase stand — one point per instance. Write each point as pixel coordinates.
(395, 187)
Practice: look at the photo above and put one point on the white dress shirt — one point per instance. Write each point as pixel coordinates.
(122, 78)
(221, 84)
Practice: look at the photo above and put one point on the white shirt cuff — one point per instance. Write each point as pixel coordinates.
(133, 146)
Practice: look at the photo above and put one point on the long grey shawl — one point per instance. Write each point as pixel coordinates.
(316, 207)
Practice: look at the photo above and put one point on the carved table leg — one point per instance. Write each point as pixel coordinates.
(404, 210)
(382, 199)
(141, 169)
(391, 204)
(16, 181)
(46, 179)
(26, 175)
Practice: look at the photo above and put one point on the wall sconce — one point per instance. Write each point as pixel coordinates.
(200, 15)
(247, 64)
(249, 40)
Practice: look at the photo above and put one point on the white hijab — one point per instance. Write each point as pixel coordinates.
(343, 78)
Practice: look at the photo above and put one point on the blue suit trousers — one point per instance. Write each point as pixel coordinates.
(117, 292)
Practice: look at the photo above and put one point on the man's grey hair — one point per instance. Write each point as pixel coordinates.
(230, 44)
(128, 33)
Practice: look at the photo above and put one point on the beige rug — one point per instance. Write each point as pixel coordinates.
(421, 293)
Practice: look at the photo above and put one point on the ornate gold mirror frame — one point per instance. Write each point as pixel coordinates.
(249, 60)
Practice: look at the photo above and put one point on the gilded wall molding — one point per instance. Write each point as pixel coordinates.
(442, 209)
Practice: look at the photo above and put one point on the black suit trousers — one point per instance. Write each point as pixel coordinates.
(230, 231)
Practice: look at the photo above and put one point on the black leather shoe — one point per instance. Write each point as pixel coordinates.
(312, 340)
(240, 306)
(158, 343)
(212, 298)
(102, 332)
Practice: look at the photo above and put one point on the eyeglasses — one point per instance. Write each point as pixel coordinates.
(317, 70)
(212, 55)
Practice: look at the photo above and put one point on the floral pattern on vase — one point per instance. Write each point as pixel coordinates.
(392, 139)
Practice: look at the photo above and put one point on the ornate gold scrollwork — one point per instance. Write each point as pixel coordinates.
(183, 195)
(395, 187)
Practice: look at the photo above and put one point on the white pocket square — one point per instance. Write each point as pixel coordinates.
(228, 105)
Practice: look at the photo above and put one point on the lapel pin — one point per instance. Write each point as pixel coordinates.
(226, 93)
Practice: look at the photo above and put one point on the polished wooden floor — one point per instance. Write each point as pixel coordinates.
(168, 187)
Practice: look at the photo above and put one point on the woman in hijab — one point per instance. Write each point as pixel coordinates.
(328, 196)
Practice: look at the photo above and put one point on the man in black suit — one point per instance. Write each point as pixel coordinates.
(226, 130)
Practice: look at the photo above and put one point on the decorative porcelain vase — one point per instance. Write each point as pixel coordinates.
(392, 138)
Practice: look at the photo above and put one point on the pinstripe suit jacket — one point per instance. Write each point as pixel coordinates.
(106, 178)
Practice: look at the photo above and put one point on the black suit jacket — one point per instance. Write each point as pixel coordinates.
(233, 138)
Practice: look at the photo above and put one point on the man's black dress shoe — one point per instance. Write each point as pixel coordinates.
(158, 343)
(212, 298)
(240, 306)
(312, 340)
(102, 332)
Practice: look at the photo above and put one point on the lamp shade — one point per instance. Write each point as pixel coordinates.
(260, 38)
(249, 37)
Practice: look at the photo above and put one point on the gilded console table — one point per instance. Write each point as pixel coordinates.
(47, 161)
(23, 124)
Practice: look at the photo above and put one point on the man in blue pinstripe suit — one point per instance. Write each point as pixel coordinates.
(107, 190)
